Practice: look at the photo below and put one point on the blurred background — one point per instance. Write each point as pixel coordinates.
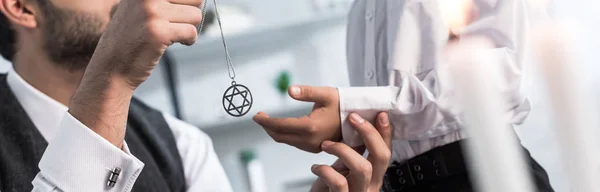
(276, 43)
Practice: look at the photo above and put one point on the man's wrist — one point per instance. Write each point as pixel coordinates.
(102, 104)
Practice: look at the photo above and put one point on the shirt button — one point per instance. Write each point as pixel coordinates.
(369, 16)
(370, 74)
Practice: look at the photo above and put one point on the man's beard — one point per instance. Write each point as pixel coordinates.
(70, 37)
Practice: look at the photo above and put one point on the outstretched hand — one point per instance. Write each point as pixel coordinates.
(307, 132)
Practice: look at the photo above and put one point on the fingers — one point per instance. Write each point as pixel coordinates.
(291, 131)
(177, 13)
(176, 23)
(183, 20)
(360, 168)
(183, 17)
(283, 125)
(195, 3)
(379, 148)
(183, 33)
(333, 179)
(339, 166)
(324, 95)
(319, 186)
(384, 128)
(287, 138)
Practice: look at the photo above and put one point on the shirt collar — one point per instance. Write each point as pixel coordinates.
(45, 112)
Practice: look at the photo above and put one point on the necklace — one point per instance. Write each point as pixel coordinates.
(237, 99)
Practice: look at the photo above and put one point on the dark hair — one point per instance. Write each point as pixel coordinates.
(7, 38)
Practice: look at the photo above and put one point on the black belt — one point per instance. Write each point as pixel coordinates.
(438, 163)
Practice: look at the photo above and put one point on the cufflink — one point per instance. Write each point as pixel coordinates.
(113, 177)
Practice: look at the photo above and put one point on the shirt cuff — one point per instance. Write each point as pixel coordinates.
(365, 101)
(78, 159)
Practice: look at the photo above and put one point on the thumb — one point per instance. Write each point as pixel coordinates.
(323, 95)
(384, 128)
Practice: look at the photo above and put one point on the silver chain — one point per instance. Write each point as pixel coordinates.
(230, 69)
(199, 27)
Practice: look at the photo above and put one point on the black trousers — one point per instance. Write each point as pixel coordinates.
(443, 169)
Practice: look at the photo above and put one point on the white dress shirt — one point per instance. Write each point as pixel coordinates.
(393, 48)
(78, 159)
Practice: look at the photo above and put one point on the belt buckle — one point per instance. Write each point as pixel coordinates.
(399, 177)
(414, 172)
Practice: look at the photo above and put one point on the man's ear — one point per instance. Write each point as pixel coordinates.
(19, 12)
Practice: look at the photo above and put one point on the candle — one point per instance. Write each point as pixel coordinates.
(457, 13)
(575, 121)
(494, 154)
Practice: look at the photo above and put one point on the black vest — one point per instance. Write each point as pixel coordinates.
(148, 136)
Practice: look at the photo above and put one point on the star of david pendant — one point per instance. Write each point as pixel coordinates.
(237, 100)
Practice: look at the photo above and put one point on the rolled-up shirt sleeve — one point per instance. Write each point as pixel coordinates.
(420, 106)
(413, 111)
(78, 159)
